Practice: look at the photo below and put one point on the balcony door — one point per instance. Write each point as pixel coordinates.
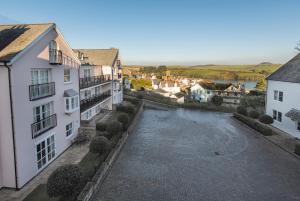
(40, 76)
(87, 73)
(40, 114)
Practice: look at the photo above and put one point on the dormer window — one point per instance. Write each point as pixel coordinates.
(55, 55)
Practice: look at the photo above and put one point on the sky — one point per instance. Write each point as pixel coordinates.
(157, 32)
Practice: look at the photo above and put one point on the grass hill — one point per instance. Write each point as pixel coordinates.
(224, 72)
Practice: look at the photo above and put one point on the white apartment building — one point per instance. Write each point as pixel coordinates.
(283, 97)
(99, 81)
(39, 100)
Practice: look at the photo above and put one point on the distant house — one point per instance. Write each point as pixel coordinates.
(155, 83)
(170, 86)
(178, 97)
(204, 91)
(283, 97)
(127, 83)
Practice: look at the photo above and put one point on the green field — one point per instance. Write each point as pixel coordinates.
(222, 72)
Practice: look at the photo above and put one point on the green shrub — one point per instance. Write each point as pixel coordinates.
(124, 120)
(127, 109)
(253, 114)
(101, 126)
(266, 119)
(99, 145)
(134, 101)
(241, 110)
(255, 125)
(103, 133)
(297, 148)
(217, 100)
(113, 127)
(139, 96)
(130, 109)
(65, 181)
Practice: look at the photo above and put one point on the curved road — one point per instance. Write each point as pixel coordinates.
(184, 155)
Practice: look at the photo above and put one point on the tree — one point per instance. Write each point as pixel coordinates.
(261, 85)
(65, 181)
(217, 100)
(99, 145)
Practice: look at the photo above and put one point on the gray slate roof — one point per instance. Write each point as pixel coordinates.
(15, 38)
(70, 93)
(99, 57)
(293, 114)
(289, 72)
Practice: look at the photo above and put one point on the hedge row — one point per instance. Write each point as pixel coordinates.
(260, 127)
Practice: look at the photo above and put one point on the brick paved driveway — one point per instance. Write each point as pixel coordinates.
(183, 155)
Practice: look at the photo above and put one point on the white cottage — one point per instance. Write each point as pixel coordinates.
(283, 97)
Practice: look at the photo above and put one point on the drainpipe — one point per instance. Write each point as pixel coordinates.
(12, 122)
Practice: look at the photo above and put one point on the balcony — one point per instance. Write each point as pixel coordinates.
(38, 91)
(55, 57)
(93, 81)
(94, 100)
(43, 125)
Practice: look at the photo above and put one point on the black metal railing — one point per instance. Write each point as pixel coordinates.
(55, 57)
(94, 100)
(39, 127)
(38, 91)
(93, 80)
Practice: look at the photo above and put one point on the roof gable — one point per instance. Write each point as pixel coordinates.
(16, 38)
(289, 72)
(99, 57)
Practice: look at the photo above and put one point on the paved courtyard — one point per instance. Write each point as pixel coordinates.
(183, 155)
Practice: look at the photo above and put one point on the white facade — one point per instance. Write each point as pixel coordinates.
(95, 90)
(200, 94)
(281, 98)
(41, 127)
(117, 83)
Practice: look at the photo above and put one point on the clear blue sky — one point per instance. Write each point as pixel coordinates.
(172, 31)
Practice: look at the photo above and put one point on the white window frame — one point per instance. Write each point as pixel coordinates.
(69, 76)
(69, 129)
(71, 104)
(275, 95)
(40, 76)
(49, 158)
(280, 96)
(277, 115)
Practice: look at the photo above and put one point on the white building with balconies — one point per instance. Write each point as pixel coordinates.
(39, 100)
(100, 86)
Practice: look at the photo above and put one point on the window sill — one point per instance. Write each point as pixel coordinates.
(71, 111)
(66, 83)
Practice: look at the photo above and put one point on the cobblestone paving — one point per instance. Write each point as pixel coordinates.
(182, 155)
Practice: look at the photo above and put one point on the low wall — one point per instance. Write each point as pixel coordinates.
(97, 180)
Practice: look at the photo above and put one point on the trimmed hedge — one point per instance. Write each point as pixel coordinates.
(127, 109)
(101, 126)
(241, 110)
(113, 127)
(253, 114)
(266, 119)
(100, 145)
(217, 100)
(124, 120)
(65, 181)
(254, 124)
